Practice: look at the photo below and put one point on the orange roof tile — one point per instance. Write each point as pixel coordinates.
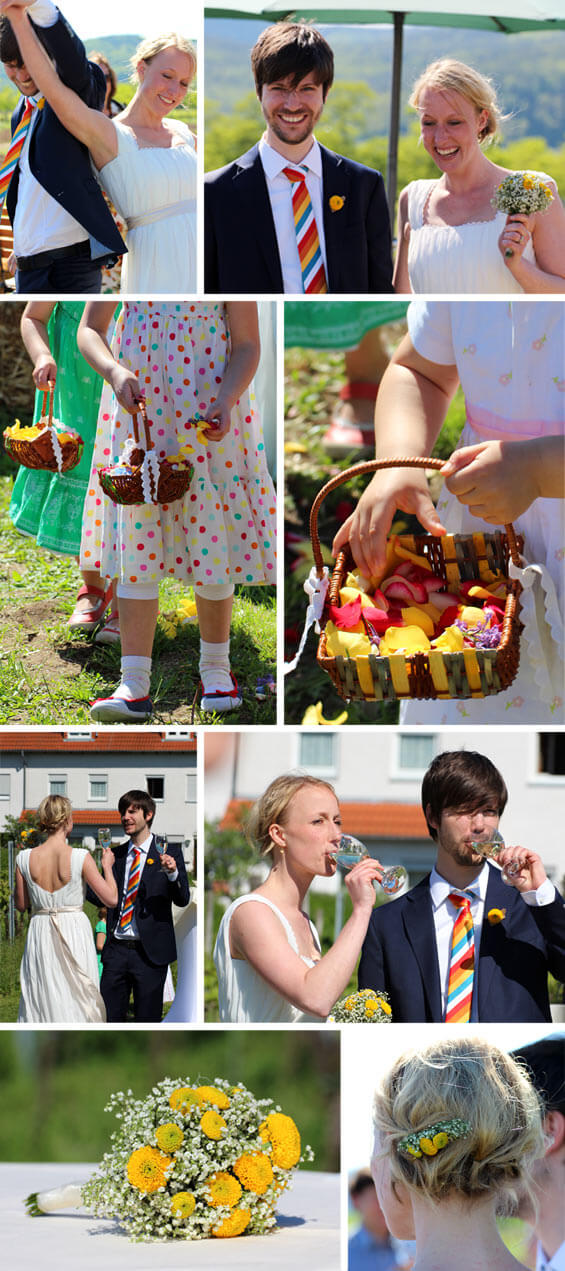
(101, 742)
(85, 816)
(379, 820)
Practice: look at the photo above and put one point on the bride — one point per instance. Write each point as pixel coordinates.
(457, 1130)
(146, 163)
(59, 969)
(450, 238)
(267, 952)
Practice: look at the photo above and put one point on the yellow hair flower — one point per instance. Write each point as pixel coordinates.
(209, 1094)
(223, 1189)
(213, 1125)
(147, 1169)
(169, 1136)
(413, 1151)
(281, 1132)
(184, 1099)
(183, 1204)
(336, 202)
(440, 1140)
(254, 1171)
(234, 1224)
(428, 1146)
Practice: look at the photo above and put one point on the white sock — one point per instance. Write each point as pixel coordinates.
(214, 667)
(136, 674)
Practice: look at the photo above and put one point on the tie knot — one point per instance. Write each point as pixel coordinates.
(294, 174)
(461, 902)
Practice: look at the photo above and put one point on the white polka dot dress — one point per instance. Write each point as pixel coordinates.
(223, 529)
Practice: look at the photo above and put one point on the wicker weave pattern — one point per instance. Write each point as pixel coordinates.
(435, 674)
(127, 487)
(39, 452)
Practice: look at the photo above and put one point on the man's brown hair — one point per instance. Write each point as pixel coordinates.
(295, 49)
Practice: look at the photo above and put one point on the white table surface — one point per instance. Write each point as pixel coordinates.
(307, 1237)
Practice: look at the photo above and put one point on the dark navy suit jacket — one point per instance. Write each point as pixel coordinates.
(59, 162)
(399, 955)
(153, 903)
(241, 250)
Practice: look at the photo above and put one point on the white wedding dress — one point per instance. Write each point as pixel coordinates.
(244, 996)
(59, 970)
(154, 191)
(457, 259)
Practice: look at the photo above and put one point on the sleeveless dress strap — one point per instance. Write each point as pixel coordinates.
(242, 900)
(418, 192)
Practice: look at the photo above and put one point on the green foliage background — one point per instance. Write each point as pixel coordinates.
(54, 1085)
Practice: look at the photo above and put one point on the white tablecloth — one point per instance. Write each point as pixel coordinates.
(306, 1239)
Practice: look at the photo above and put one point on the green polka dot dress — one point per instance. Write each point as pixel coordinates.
(223, 529)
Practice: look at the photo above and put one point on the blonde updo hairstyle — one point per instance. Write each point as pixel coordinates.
(271, 807)
(53, 813)
(450, 76)
(474, 1082)
(148, 49)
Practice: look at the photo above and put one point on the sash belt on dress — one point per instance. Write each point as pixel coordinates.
(161, 213)
(85, 991)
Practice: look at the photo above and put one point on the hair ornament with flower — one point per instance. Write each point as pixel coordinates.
(433, 1138)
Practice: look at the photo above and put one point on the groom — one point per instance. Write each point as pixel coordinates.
(63, 230)
(462, 944)
(290, 215)
(140, 942)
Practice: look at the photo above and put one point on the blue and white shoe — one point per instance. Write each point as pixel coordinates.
(218, 700)
(118, 710)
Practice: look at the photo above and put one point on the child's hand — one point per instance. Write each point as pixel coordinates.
(219, 417)
(126, 388)
(45, 369)
(497, 480)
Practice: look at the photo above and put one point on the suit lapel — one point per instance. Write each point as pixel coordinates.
(335, 180)
(250, 186)
(420, 933)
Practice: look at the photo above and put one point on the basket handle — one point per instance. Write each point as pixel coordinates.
(48, 393)
(374, 465)
(143, 412)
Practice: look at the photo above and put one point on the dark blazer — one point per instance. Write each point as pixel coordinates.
(155, 896)
(399, 955)
(240, 243)
(59, 162)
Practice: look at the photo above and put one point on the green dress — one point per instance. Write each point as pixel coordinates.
(48, 505)
(337, 324)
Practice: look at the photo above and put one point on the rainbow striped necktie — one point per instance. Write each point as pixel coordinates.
(307, 239)
(462, 964)
(132, 890)
(15, 149)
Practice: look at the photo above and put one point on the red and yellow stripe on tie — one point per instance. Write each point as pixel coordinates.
(15, 148)
(307, 237)
(462, 964)
(132, 889)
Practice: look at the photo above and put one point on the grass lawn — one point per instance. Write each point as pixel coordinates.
(48, 674)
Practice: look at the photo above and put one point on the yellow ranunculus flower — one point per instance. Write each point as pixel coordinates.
(440, 1140)
(336, 202)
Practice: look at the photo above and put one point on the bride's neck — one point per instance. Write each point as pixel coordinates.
(477, 175)
(460, 1233)
(139, 114)
(289, 884)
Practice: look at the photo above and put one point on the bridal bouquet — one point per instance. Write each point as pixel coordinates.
(522, 192)
(189, 1161)
(363, 1007)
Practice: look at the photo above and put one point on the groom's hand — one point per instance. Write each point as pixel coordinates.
(168, 863)
(532, 872)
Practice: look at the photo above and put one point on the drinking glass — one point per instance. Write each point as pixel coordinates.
(490, 845)
(105, 836)
(351, 850)
(160, 843)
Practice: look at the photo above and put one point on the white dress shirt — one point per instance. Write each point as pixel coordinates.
(130, 932)
(40, 223)
(280, 195)
(556, 1263)
(445, 913)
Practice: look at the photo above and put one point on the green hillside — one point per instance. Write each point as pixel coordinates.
(528, 69)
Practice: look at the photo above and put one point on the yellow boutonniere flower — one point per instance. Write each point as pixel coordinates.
(150, 860)
(495, 916)
(336, 202)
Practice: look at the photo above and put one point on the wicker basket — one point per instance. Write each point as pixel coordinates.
(141, 474)
(455, 558)
(46, 451)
